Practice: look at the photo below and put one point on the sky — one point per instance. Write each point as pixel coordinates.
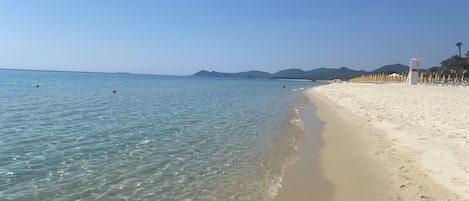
(181, 37)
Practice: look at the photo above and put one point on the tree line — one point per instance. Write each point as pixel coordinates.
(453, 65)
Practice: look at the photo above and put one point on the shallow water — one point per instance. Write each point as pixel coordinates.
(156, 138)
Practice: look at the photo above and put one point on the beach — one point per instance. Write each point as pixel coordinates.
(394, 141)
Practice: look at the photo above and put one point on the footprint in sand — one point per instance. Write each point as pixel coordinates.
(405, 186)
(426, 198)
(403, 169)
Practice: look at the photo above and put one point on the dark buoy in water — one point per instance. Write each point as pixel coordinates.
(37, 86)
(114, 91)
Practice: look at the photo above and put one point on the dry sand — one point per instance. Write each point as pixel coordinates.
(413, 139)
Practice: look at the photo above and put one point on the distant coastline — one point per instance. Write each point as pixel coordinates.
(342, 73)
(316, 74)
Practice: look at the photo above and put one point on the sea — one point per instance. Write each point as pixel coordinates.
(117, 136)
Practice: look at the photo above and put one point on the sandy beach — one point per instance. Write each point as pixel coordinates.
(394, 141)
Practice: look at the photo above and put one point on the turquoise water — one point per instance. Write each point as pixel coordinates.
(156, 138)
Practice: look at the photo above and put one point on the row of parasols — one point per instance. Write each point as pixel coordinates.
(424, 77)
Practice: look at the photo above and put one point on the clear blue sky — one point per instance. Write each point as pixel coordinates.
(183, 37)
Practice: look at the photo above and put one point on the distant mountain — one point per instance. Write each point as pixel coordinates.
(329, 74)
(213, 74)
(255, 74)
(395, 68)
(314, 74)
(293, 73)
(318, 73)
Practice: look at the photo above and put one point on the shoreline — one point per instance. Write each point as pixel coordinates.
(372, 152)
(330, 168)
(302, 180)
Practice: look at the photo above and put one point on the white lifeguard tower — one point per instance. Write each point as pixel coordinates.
(413, 71)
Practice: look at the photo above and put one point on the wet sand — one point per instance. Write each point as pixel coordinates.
(302, 180)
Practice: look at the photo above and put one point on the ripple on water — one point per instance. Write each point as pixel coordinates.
(159, 138)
